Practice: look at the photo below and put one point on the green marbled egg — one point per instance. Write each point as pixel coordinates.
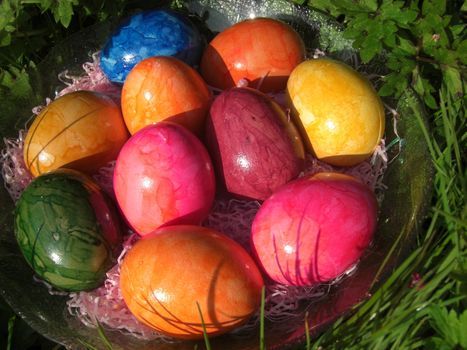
(68, 230)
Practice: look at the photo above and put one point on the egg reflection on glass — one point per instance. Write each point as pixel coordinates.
(339, 113)
(168, 274)
(263, 51)
(82, 130)
(313, 229)
(163, 175)
(255, 148)
(164, 88)
(68, 230)
(159, 32)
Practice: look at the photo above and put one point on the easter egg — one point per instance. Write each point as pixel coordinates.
(313, 229)
(340, 114)
(255, 148)
(172, 278)
(164, 88)
(163, 176)
(264, 51)
(68, 230)
(151, 33)
(81, 130)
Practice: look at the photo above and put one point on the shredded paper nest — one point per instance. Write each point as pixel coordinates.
(230, 216)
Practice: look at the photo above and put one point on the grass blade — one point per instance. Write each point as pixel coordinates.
(102, 335)
(307, 333)
(205, 333)
(262, 345)
(11, 325)
(87, 345)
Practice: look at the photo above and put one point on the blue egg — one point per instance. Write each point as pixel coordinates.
(147, 34)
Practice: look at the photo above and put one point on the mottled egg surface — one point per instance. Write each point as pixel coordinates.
(313, 229)
(146, 34)
(68, 230)
(164, 88)
(82, 130)
(339, 112)
(168, 275)
(164, 176)
(255, 148)
(263, 51)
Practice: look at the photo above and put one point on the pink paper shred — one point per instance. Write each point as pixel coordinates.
(93, 79)
(15, 174)
(230, 216)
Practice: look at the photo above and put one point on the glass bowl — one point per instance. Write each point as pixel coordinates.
(408, 179)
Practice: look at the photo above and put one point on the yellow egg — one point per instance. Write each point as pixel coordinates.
(338, 111)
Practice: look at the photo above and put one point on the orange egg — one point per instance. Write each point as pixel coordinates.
(81, 130)
(164, 88)
(261, 50)
(167, 275)
(340, 114)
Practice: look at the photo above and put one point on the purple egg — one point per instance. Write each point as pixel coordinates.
(254, 146)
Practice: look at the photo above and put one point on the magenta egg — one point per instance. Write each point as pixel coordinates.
(163, 176)
(254, 146)
(313, 229)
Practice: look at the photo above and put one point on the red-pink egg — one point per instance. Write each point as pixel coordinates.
(254, 146)
(163, 175)
(313, 229)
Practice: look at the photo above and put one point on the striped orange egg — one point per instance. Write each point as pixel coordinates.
(82, 130)
(172, 278)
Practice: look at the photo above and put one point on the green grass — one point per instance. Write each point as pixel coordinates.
(404, 316)
(15, 334)
(205, 334)
(307, 333)
(11, 324)
(262, 344)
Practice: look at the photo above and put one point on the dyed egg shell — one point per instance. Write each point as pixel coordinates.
(81, 130)
(255, 148)
(262, 50)
(164, 88)
(163, 176)
(313, 229)
(146, 34)
(68, 230)
(165, 275)
(341, 115)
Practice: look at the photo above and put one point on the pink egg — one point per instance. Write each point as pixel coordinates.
(163, 176)
(313, 229)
